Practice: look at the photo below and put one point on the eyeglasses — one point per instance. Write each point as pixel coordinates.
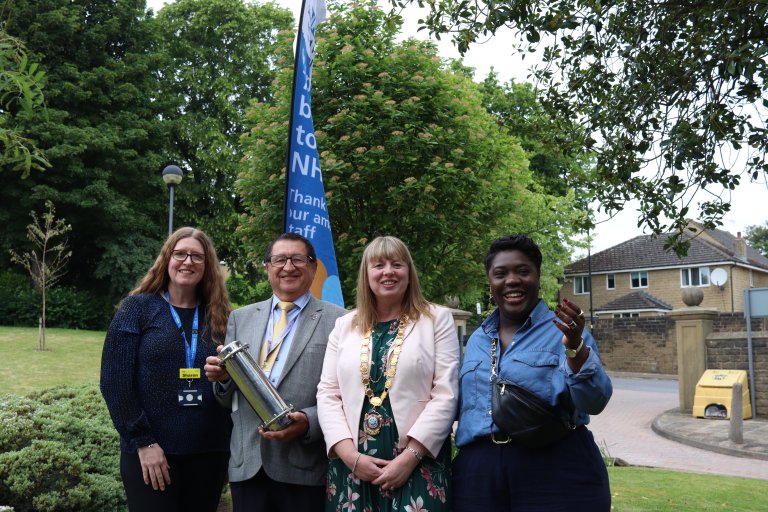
(182, 256)
(298, 260)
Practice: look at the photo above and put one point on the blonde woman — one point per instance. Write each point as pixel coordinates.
(388, 392)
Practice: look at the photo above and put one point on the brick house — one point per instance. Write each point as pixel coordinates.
(638, 278)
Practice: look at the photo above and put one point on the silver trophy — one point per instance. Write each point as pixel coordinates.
(255, 386)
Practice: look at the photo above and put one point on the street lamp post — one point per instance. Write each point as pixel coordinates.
(589, 271)
(172, 176)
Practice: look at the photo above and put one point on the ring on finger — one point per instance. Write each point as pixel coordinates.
(572, 324)
(581, 314)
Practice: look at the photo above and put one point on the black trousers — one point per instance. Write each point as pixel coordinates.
(567, 476)
(196, 483)
(262, 493)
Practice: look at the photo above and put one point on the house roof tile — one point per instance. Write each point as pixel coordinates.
(647, 252)
(638, 300)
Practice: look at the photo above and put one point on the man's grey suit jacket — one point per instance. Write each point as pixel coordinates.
(302, 461)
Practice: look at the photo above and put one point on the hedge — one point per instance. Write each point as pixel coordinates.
(66, 307)
(59, 452)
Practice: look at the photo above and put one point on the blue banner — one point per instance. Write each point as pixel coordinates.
(306, 212)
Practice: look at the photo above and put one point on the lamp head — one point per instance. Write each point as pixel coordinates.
(172, 175)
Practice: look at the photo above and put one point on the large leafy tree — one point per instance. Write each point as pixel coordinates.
(219, 57)
(557, 159)
(757, 236)
(672, 93)
(102, 134)
(21, 97)
(407, 148)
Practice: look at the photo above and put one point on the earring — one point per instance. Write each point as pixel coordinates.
(491, 300)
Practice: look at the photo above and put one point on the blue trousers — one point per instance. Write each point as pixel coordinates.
(567, 476)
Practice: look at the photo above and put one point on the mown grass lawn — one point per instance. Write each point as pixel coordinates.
(72, 357)
(659, 490)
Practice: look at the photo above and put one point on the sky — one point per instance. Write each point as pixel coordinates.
(496, 53)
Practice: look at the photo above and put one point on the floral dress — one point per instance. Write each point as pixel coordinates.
(426, 490)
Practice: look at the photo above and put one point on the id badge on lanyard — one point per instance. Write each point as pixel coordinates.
(190, 393)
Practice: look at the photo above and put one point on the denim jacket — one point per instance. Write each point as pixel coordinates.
(535, 359)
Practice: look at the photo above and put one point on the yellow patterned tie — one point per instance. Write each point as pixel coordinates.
(269, 354)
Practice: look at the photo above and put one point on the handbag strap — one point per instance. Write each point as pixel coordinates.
(494, 342)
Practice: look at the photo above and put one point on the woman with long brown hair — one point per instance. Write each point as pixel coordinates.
(174, 436)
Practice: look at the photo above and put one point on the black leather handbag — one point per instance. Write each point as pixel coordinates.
(521, 415)
(524, 417)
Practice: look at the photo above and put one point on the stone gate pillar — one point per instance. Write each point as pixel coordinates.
(692, 325)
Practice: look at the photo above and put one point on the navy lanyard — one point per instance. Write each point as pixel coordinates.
(190, 350)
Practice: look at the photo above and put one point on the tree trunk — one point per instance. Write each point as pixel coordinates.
(41, 343)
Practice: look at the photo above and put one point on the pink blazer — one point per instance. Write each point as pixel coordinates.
(424, 392)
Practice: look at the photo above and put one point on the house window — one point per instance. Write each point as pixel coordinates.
(638, 279)
(581, 285)
(696, 276)
(626, 315)
(610, 281)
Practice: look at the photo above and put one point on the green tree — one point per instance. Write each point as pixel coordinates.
(757, 238)
(407, 148)
(103, 135)
(47, 261)
(21, 96)
(556, 157)
(667, 92)
(219, 57)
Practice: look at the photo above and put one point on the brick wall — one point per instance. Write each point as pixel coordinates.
(643, 344)
(728, 351)
(648, 345)
(734, 322)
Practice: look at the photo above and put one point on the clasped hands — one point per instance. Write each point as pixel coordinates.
(389, 474)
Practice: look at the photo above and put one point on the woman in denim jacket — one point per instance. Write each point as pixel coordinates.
(550, 354)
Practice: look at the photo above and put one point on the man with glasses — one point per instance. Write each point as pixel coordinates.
(287, 334)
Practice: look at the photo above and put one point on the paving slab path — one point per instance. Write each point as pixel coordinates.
(624, 428)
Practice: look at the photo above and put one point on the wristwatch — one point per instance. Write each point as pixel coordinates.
(571, 352)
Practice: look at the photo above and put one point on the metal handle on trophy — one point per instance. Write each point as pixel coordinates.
(255, 386)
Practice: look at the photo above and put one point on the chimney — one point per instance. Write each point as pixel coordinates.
(740, 247)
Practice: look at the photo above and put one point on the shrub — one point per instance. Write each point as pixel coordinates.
(18, 302)
(243, 291)
(70, 308)
(59, 452)
(67, 307)
(18, 425)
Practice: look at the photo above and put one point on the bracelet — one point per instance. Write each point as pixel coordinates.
(356, 461)
(150, 445)
(416, 453)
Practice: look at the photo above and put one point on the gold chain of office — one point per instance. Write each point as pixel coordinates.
(373, 420)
